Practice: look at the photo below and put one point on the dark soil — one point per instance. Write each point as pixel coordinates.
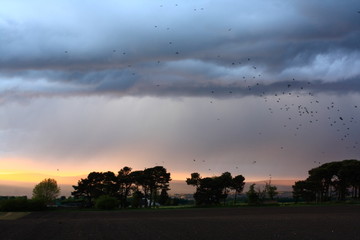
(302, 222)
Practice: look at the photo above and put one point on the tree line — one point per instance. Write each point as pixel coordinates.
(216, 189)
(213, 190)
(330, 181)
(142, 188)
(146, 187)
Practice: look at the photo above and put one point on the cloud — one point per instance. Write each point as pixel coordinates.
(122, 45)
(190, 84)
(152, 80)
(330, 67)
(225, 133)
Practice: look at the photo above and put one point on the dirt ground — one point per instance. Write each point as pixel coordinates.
(302, 222)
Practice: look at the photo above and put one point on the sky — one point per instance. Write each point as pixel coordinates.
(258, 88)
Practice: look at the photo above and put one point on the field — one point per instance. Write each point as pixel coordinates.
(299, 222)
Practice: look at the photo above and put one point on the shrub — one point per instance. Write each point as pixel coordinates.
(20, 204)
(106, 202)
(36, 205)
(13, 205)
(253, 195)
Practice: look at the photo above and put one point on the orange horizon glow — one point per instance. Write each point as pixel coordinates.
(65, 178)
(72, 179)
(31, 177)
(31, 172)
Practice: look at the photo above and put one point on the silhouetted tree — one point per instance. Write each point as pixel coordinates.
(349, 179)
(194, 180)
(237, 184)
(164, 197)
(96, 185)
(139, 183)
(150, 181)
(226, 181)
(270, 190)
(253, 195)
(210, 190)
(303, 190)
(125, 181)
(332, 180)
(155, 179)
(109, 184)
(137, 199)
(137, 179)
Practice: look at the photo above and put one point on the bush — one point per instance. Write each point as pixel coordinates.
(106, 202)
(36, 205)
(13, 205)
(20, 204)
(252, 195)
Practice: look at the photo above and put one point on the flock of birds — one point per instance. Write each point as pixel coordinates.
(306, 112)
(298, 106)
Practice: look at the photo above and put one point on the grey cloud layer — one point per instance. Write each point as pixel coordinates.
(177, 48)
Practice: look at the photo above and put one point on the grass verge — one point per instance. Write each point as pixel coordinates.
(12, 215)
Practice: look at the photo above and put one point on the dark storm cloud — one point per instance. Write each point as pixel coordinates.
(186, 49)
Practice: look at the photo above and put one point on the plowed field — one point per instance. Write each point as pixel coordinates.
(303, 222)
